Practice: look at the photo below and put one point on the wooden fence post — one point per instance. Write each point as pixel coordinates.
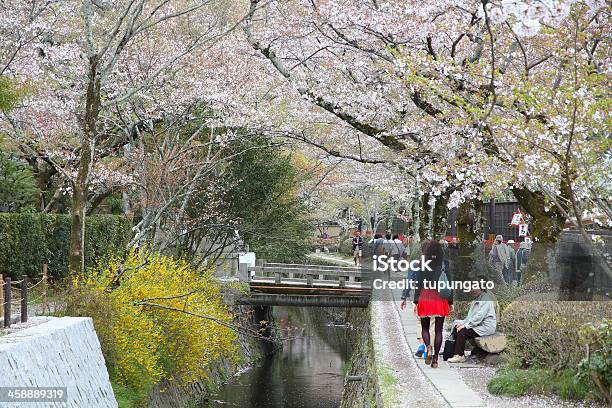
(45, 273)
(24, 298)
(7, 302)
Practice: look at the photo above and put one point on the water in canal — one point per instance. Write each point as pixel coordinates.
(306, 373)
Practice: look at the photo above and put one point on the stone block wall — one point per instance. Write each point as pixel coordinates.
(63, 352)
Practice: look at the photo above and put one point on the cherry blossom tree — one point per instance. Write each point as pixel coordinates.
(460, 99)
(100, 72)
(422, 80)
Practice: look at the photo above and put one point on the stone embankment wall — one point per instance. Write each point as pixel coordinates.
(364, 393)
(63, 352)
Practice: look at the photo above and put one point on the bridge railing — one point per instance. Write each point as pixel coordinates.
(314, 267)
(307, 275)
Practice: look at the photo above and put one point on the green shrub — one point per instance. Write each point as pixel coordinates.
(545, 334)
(18, 189)
(597, 365)
(27, 241)
(130, 398)
(346, 246)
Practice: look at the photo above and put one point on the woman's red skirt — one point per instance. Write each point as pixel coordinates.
(432, 304)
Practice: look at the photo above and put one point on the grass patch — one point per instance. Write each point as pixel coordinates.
(517, 382)
(129, 398)
(346, 368)
(388, 386)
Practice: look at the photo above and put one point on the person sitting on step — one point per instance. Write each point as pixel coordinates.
(480, 321)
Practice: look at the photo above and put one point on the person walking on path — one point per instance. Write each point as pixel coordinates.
(499, 257)
(377, 244)
(480, 321)
(357, 248)
(421, 350)
(398, 250)
(522, 256)
(512, 255)
(387, 244)
(429, 302)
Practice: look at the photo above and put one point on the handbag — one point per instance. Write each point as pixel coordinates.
(449, 347)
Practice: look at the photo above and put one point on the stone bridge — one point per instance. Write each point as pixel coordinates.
(278, 284)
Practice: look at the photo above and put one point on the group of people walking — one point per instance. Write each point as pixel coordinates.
(391, 245)
(506, 261)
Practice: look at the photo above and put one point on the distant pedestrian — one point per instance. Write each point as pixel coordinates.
(499, 257)
(387, 244)
(522, 256)
(512, 256)
(357, 248)
(398, 250)
(377, 245)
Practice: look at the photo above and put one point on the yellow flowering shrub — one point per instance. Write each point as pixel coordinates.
(156, 317)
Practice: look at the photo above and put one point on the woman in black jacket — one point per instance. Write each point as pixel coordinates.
(428, 302)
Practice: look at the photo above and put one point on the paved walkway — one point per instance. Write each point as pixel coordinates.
(401, 382)
(445, 378)
(331, 258)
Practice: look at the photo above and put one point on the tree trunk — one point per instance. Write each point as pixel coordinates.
(546, 225)
(76, 256)
(416, 220)
(471, 261)
(425, 214)
(79, 203)
(440, 216)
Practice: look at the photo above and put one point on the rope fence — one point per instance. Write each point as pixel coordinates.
(37, 283)
(17, 282)
(23, 287)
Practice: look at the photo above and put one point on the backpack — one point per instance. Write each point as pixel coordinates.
(401, 253)
(443, 281)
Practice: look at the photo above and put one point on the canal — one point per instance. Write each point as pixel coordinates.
(307, 372)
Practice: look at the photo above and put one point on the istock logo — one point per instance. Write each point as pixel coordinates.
(383, 263)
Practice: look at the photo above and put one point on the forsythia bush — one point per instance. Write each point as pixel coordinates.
(161, 318)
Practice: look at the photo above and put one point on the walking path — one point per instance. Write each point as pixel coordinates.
(445, 378)
(331, 258)
(400, 380)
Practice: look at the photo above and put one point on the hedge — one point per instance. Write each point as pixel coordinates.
(546, 334)
(29, 240)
